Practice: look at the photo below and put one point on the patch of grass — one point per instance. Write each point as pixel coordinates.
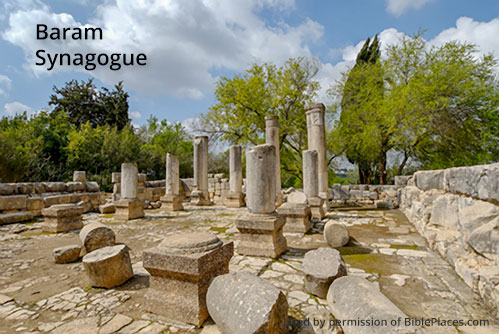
(218, 229)
(405, 246)
(223, 214)
(371, 263)
(107, 215)
(229, 234)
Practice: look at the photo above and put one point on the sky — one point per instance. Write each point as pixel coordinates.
(191, 43)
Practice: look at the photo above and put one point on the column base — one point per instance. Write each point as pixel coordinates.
(200, 198)
(297, 217)
(128, 209)
(234, 200)
(261, 235)
(316, 207)
(171, 203)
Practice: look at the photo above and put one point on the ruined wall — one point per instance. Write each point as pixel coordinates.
(381, 196)
(457, 211)
(23, 201)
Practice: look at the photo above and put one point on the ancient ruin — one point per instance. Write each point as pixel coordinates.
(317, 141)
(424, 247)
(129, 206)
(235, 197)
(181, 269)
(261, 227)
(172, 201)
(200, 195)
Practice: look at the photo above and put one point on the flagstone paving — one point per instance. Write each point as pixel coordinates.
(39, 296)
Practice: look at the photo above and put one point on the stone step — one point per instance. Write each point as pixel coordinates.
(15, 217)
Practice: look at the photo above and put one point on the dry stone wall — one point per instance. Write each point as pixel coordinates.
(23, 201)
(457, 211)
(382, 196)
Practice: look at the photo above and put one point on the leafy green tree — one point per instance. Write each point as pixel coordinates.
(159, 138)
(83, 103)
(361, 125)
(439, 107)
(446, 103)
(242, 102)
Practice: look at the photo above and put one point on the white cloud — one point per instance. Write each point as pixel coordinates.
(399, 7)
(185, 40)
(482, 34)
(13, 108)
(5, 84)
(135, 115)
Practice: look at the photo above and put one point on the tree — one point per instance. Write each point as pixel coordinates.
(84, 103)
(361, 124)
(445, 101)
(242, 102)
(438, 106)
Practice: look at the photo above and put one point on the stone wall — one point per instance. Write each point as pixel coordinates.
(381, 196)
(457, 211)
(23, 201)
(218, 186)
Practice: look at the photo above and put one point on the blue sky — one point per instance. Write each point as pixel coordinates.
(190, 43)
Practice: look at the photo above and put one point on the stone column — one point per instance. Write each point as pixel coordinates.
(172, 201)
(129, 180)
(129, 206)
(235, 197)
(272, 138)
(200, 195)
(317, 141)
(311, 183)
(182, 267)
(261, 228)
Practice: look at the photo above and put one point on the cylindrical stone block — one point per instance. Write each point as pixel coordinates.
(260, 176)
(201, 162)
(79, 176)
(129, 180)
(310, 174)
(272, 138)
(236, 170)
(96, 235)
(172, 173)
(317, 140)
(109, 266)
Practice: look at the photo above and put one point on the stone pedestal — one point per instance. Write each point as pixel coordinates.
(316, 207)
(261, 228)
(234, 200)
(181, 269)
(272, 138)
(129, 208)
(317, 141)
(172, 201)
(200, 196)
(261, 235)
(297, 217)
(62, 218)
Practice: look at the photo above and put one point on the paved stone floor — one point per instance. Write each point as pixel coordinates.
(39, 296)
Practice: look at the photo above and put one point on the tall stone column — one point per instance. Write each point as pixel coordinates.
(235, 197)
(172, 201)
(311, 183)
(272, 138)
(200, 195)
(317, 141)
(129, 206)
(261, 228)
